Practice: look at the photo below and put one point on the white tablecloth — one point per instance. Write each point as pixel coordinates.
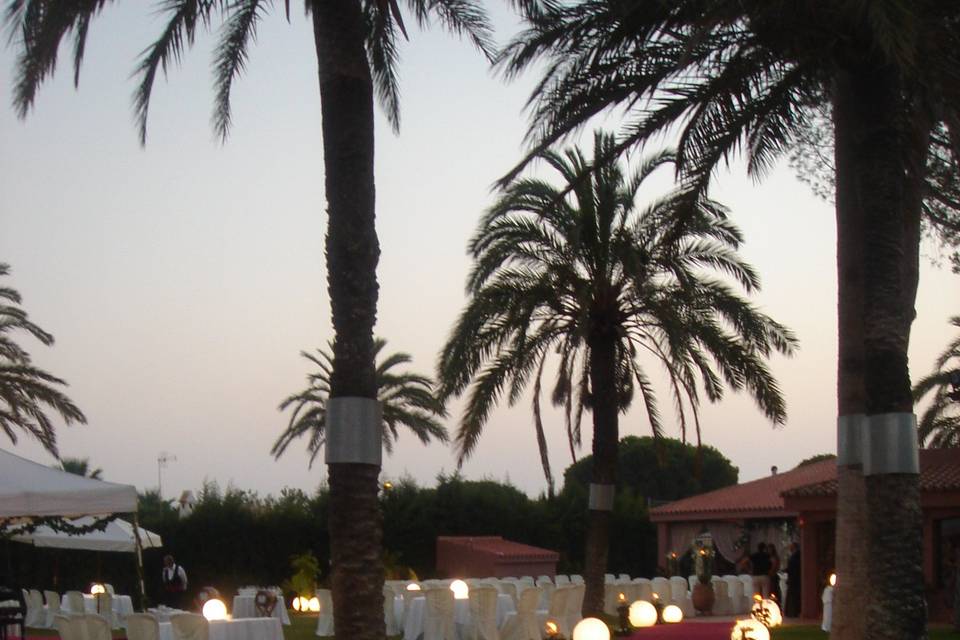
(413, 626)
(122, 605)
(246, 629)
(246, 607)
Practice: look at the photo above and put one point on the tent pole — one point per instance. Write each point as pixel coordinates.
(139, 554)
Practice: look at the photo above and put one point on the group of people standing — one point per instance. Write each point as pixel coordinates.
(764, 565)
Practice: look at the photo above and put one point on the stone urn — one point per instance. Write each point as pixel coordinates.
(703, 597)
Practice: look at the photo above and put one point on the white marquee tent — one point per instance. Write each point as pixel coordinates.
(29, 489)
(118, 536)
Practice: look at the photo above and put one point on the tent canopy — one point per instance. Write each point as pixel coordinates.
(28, 489)
(118, 536)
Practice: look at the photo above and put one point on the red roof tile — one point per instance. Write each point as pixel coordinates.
(500, 547)
(757, 495)
(939, 471)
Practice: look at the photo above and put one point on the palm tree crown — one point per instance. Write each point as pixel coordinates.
(940, 424)
(552, 271)
(406, 399)
(28, 393)
(80, 467)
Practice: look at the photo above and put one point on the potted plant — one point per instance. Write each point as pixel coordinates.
(703, 596)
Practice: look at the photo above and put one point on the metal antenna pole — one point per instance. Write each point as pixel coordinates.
(162, 461)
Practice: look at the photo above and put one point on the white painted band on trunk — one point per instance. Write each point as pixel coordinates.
(850, 440)
(353, 431)
(601, 497)
(890, 444)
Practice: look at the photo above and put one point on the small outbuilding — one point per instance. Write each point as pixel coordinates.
(492, 556)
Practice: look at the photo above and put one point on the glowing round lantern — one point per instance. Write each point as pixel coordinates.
(214, 609)
(296, 604)
(460, 590)
(313, 604)
(413, 586)
(97, 588)
(642, 614)
(749, 628)
(672, 614)
(833, 579)
(551, 628)
(591, 629)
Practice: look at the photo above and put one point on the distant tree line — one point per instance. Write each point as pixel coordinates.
(233, 537)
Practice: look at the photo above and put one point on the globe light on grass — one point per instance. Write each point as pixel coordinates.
(642, 614)
(672, 614)
(214, 609)
(460, 590)
(749, 629)
(313, 605)
(591, 629)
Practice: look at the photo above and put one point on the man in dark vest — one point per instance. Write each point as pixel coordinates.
(174, 583)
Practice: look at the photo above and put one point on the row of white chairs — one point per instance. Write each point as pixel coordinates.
(43, 607)
(733, 595)
(139, 626)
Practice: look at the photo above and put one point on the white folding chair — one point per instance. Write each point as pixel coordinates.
(611, 595)
(722, 605)
(643, 589)
(325, 620)
(483, 614)
(735, 592)
(510, 588)
(68, 627)
(576, 578)
(109, 588)
(546, 590)
(557, 608)
(680, 596)
(142, 626)
(661, 587)
(438, 615)
(624, 576)
(389, 612)
(189, 626)
(105, 609)
(522, 623)
(561, 580)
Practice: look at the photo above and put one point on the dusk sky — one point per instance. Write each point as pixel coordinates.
(182, 280)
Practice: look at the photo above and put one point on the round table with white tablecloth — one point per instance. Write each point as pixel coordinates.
(245, 606)
(413, 625)
(245, 629)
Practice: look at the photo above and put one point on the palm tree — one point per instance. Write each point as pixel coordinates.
(940, 423)
(601, 282)
(406, 399)
(356, 49)
(732, 75)
(80, 467)
(28, 393)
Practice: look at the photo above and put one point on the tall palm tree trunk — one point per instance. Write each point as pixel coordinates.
(352, 253)
(882, 162)
(603, 350)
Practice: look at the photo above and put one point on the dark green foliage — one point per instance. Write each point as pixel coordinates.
(940, 423)
(661, 470)
(816, 458)
(80, 467)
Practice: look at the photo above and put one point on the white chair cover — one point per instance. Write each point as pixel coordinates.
(438, 615)
(624, 576)
(557, 608)
(722, 605)
(483, 614)
(325, 619)
(105, 609)
(189, 626)
(576, 578)
(643, 589)
(96, 627)
(53, 607)
(561, 580)
(611, 593)
(509, 588)
(69, 628)
(747, 581)
(680, 596)
(109, 588)
(522, 624)
(661, 587)
(546, 591)
(75, 600)
(573, 613)
(738, 604)
(389, 613)
(692, 580)
(142, 626)
(827, 599)
(36, 615)
(544, 578)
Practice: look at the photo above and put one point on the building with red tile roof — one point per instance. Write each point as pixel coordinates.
(492, 556)
(800, 505)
